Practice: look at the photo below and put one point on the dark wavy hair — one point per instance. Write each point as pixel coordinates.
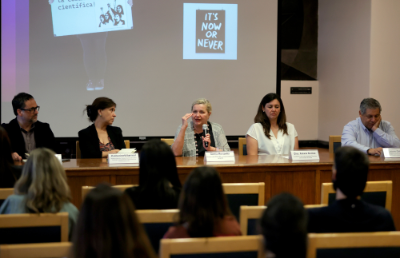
(352, 167)
(284, 226)
(122, 9)
(98, 104)
(108, 227)
(7, 178)
(262, 118)
(202, 202)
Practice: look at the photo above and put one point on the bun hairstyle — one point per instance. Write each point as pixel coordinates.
(98, 104)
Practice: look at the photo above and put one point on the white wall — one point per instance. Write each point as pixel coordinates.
(385, 59)
(343, 62)
(302, 109)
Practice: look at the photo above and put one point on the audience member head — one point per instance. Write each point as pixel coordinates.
(25, 108)
(201, 109)
(102, 109)
(44, 182)
(6, 160)
(108, 227)
(202, 202)
(350, 171)
(157, 162)
(370, 112)
(270, 109)
(284, 227)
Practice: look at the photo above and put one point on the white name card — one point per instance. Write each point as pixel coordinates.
(219, 156)
(391, 153)
(304, 155)
(59, 157)
(123, 158)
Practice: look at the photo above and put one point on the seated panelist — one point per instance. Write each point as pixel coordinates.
(190, 139)
(270, 133)
(369, 133)
(100, 139)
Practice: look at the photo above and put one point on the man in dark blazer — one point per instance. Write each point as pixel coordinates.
(348, 213)
(26, 133)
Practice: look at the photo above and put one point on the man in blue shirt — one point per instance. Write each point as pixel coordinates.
(369, 133)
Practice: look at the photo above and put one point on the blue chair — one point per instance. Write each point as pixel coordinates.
(249, 194)
(346, 245)
(33, 228)
(156, 223)
(213, 247)
(242, 146)
(375, 192)
(335, 142)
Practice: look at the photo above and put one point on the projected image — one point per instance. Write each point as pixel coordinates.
(111, 17)
(90, 17)
(210, 31)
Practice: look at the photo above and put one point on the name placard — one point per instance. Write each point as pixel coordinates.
(304, 155)
(123, 158)
(59, 157)
(219, 156)
(391, 153)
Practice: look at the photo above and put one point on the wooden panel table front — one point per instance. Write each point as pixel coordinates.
(279, 174)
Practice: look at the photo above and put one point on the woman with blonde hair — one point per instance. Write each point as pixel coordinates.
(42, 188)
(190, 138)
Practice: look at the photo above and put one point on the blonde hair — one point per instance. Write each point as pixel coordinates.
(44, 182)
(203, 101)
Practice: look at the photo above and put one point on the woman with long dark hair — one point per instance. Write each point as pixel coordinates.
(100, 139)
(204, 210)
(108, 227)
(270, 133)
(159, 185)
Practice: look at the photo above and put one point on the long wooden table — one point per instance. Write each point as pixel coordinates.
(279, 174)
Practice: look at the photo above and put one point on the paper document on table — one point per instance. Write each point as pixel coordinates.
(127, 151)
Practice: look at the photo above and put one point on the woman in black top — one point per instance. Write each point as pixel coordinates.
(101, 139)
(159, 185)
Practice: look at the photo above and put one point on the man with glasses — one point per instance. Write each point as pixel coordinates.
(26, 133)
(369, 133)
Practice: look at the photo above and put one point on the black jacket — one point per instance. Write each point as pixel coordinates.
(89, 141)
(349, 216)
(44, 137)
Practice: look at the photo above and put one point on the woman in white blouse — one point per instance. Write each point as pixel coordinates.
(270, 133)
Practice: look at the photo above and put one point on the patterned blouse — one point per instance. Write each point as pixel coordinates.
(106, 147)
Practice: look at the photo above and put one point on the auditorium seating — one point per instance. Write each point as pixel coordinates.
(156, 223)
(242, 146)
(249, 216)
(237, 194)
(78, 149)
(33, 228)
(346, 245)
(215, 247)
(375, 192)
(335, 142)
(4, 193)
(45, 250)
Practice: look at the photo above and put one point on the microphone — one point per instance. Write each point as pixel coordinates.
(205, 132)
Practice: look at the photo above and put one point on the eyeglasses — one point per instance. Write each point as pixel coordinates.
(31, 109)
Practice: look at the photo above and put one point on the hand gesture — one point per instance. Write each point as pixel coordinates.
(185, 119)
(206, 139)
(16, 157)
(376, 151)
(376, 125)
